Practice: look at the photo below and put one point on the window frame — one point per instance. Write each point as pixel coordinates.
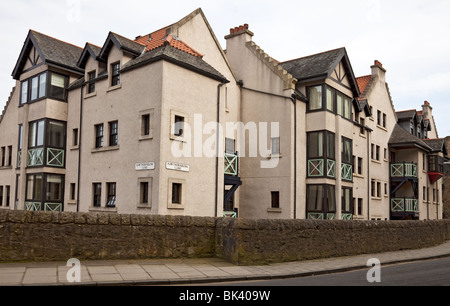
(113, 133)
(339, 109)
(97, 195)
(92, 75)
(111, 195)
(115, 74)
(275, 199)
(99, 133)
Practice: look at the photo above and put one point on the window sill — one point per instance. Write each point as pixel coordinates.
(362, 135)
(112, 88)
(375, 161)
(103, 209)
(90, 95)
(358, 175)
(72, 202)
(144, 206)
(275, 156)
(146, 137)
(376, 198)
(274, 210)
(75, 148)
(105, 149)
(175, 206)
(6, 168)
(382, 128)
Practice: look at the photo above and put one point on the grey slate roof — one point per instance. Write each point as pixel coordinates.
(406, 115)
(177, 57)
(314, 65)
(51, 50)
(122, 43)
(58, 52)
(437, 145)
(402, 138)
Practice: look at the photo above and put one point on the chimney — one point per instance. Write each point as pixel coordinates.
(378, 70)
(242, 29)
(427, 110)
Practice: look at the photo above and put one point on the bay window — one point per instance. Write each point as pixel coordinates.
(321, 154)
(45, 85)
(320, 202)
(326, 98)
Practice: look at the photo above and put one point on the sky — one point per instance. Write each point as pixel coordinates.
(411, 38)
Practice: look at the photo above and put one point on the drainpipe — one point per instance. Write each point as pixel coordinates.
(368, 172)
(80, 132)
(217, 148)
(294, 101)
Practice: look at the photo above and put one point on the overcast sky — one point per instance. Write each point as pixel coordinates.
(411, 38)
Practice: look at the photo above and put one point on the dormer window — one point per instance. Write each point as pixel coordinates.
(91, 79)
(115, 75)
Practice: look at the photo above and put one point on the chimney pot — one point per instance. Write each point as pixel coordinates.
(377, 63)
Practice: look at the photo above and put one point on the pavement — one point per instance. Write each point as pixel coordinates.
(193, 271)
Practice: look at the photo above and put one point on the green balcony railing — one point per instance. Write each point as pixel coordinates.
(347, 172)
(321, 216)
(404, 205)
(231, 164)
(52, 157)
(316, 168)
(35, 157)
(55, 157)
(37, 206)
(404, 170)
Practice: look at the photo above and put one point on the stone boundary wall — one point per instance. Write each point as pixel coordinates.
(56, 236)
(43, 236)
(268, 241)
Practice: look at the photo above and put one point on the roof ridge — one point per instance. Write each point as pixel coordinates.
(311, 55)
(274, 65)
(65, 42)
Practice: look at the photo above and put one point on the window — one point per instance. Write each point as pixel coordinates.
(3, 156)
(56, 134)
(113, 133)
(424, 192)
(321, 201)
(362, 129)
(385, 154)
(378, 152)
(360, 206)
(35, 182)
(372, 188)
(34, 88)
(111, 200)
(275, 199)
(144, 193)
(99, 136)
(54, 188)
(10, 149)
(75, 137)
(72, 191)
(379, 117)
(91, 80)
(1, 195)
(384, 120)
(97, 192)
(385, 189)
(360, 165)
(36, 134)
(176, 193)
(347, 206)
(179, 126)
(330, 99)
(315, 98)
(378, 190)
(230, 146)
(56, 89)
(115, 76)
(8, 193)
(347, 150)
(20, 137)
(321, 154)
(276, 146)
(145, 129)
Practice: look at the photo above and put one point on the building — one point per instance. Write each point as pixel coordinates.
(170, 123)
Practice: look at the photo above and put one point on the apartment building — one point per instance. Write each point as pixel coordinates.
(170, 123)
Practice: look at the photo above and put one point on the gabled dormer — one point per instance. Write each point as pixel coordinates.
(45, 67)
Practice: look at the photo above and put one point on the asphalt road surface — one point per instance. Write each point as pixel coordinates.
(424, 273)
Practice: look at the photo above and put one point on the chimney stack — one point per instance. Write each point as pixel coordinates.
(242, 29)
(378, 70)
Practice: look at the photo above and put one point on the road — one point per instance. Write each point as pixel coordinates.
(424, 273)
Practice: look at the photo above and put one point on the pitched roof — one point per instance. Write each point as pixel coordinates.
(89, 50)
(363, 83)
(437, 145)
(406, 115)
(178, 57)
(122, 43)
(320, 65)
(402, 138)
(51, 50)
(163, 36)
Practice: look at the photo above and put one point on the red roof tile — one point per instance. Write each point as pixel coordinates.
(363, 82)
(160, 38)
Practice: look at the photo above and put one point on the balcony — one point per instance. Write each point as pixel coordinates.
(404, 170)
(231, 164)
(404, 208)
